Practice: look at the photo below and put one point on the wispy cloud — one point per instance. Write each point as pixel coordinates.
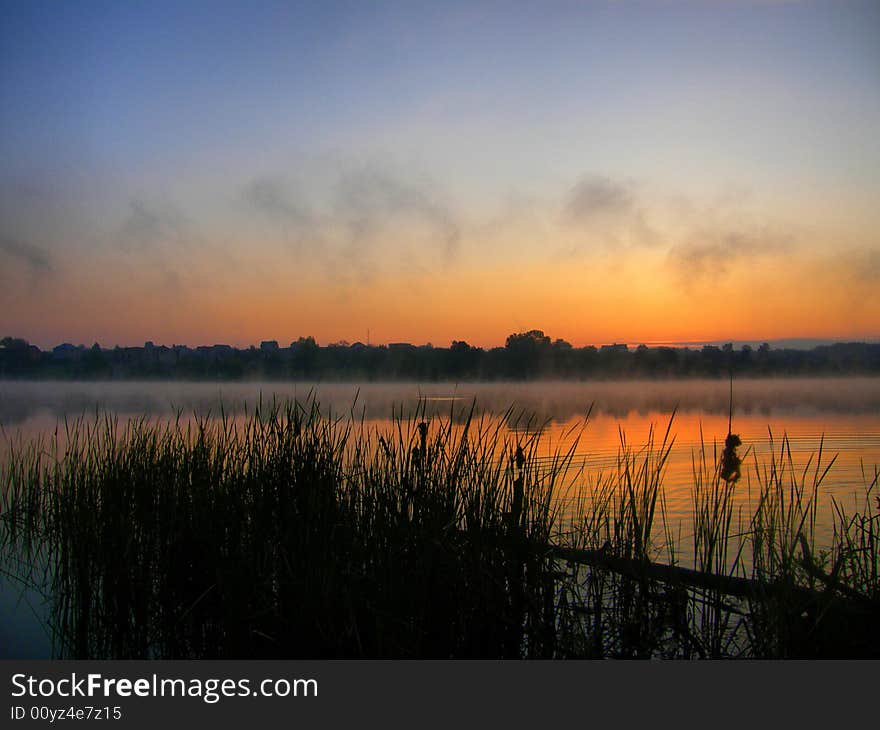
(712, 254)
(272, 198)
(861, 264)
(608, 212)
(24, 270)
(597, 198)
(284, 206)
(368, 199)
(34, 258)
(372, 217)
(154, 235)
(149, 224)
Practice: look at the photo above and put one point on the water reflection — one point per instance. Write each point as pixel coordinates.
(558, 401)
(843, 411)
(846, 411)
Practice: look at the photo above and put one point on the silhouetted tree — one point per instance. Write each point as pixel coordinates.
(95, 363)
(526, 352)
(304, 356)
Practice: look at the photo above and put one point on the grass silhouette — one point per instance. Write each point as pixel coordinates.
(298, 534)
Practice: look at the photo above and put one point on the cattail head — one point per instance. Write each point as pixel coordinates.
(730, 460)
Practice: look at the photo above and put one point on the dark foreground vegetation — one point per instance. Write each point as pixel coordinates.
(292, 534)
(525, 356)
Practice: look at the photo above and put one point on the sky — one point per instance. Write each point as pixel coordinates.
(608, 171)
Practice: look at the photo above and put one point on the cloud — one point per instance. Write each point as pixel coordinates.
(272, 198)
(369, 199)
(371, 217)
(280, 205)
(608, 212)
(150, 224)
(154, 234)
(711, 254)
(597, 198)
(34, 258)
(861, 264)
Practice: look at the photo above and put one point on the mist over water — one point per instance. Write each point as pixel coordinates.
(28, 405)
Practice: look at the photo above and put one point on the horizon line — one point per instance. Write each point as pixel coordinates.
(796, 343)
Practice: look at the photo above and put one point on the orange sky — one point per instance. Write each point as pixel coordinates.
(635, 295)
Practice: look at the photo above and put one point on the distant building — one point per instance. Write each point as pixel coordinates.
(165, 355)
(269, 345)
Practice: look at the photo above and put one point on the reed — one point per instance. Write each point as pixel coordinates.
(290, 532)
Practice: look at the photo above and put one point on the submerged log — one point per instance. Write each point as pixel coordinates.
(727, 584)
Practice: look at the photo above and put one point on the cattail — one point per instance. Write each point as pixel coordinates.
(520, 458)
(730, 460)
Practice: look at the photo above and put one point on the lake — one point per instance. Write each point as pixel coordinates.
(845, 412)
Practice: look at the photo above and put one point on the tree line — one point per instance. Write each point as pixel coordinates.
(524, 356)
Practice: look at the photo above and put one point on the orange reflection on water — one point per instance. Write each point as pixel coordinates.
(846, 411)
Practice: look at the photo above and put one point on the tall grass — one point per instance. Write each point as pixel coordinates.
(288, 534)
(294, 533)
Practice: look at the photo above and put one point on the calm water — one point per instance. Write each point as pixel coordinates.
(846, 411)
